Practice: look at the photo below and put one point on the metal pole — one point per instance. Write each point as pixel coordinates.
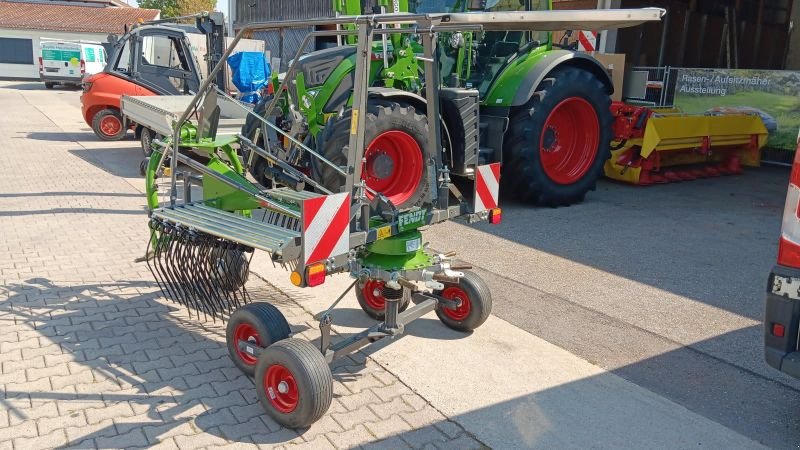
(432, 98)
(355, 151)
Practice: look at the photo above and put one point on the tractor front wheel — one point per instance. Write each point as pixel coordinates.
(396, 139)
(294, 383)
(261, 324)
(108, 125)
(558, 142)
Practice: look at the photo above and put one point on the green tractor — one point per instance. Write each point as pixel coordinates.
(544, 111)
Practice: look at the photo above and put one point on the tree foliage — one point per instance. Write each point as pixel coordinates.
(175, 8)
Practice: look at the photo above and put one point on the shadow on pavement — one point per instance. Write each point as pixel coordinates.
(59, 136)
(121, 162)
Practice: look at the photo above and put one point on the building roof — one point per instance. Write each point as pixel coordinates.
(55, 17)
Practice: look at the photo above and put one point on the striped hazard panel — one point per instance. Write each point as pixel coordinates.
(487, 187)
(326, 227)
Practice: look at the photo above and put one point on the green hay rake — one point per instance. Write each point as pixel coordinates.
(199, 251)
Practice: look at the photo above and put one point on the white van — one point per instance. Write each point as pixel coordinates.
(67, 62)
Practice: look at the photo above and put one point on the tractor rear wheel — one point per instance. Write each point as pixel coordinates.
(108, 125)
(396, 139)
(558, 142)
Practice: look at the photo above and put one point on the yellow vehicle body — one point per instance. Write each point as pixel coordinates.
(660, 145)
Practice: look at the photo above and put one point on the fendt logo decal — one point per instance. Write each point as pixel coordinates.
(326, 227)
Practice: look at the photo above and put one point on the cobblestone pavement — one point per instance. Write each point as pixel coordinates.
(92, 356)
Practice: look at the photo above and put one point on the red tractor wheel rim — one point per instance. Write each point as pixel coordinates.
(462, 311)
(373, 300)
(393, 166)
(110, 125)
(569, 140)
(246, 332)
(281, 388)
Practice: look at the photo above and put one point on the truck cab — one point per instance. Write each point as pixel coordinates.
(782, 312)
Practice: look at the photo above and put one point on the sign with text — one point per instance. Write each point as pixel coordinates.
(774, 95)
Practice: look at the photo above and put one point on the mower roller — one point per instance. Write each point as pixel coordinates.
(663, 145)
(199, 251)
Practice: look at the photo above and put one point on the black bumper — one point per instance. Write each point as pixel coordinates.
(783, 307)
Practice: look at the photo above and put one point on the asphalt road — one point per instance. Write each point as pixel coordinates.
(663, 286)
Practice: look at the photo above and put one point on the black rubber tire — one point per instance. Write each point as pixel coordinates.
(377, 314)
(523, 173)
(270, 325)
(49, 85)
(96, 125)
(480, 303)
(146, 139)
(143, 166)
(311, 374)
(230, 280)
(381, 116)
(251, 124)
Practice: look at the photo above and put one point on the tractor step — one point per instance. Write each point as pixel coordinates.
(244, 230)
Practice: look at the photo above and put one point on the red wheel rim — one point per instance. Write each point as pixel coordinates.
(568, 145)
(110, 125)
(246, 332)
(393, 166)
(373, 295)
(461, 312)
(281, 388)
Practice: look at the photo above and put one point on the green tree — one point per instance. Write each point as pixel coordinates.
(168, 8)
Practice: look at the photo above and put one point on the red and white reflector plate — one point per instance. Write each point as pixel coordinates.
(487, 187)
(326, 227)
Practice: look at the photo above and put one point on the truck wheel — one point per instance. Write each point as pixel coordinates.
(259, 323)
(370, 298)
(146, 138)
(475, 307)
(294, 383)
(107, 124)
(396, 137)
(558, 142)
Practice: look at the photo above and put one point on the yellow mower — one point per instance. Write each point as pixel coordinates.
(662, 145)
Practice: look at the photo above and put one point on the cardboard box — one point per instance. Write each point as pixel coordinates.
(615, 66)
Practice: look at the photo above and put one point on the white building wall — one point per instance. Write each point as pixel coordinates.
(31, 71)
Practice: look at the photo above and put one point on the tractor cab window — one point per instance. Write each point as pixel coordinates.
(164, 63)
(123, 62)
(163, 51)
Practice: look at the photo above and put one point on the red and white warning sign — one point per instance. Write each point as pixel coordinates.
(326, 227)
(587, 41)
(487, 187)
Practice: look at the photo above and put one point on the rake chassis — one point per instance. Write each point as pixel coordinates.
(198, 251)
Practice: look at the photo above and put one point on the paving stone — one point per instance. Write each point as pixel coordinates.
(198, 441)
(351, 438)
(323, 426)
(36, 411)
(356, 401)
(388, 427)
(239, 431)
(95, 415)
(165, 431)
(61, 421)
(352, 418)
(25, 429)
(394, 443)
(419, 438)
(423, 417)
(386, 393)
(319, 442)
(133, 438)
(384, 410)
(55, 439)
